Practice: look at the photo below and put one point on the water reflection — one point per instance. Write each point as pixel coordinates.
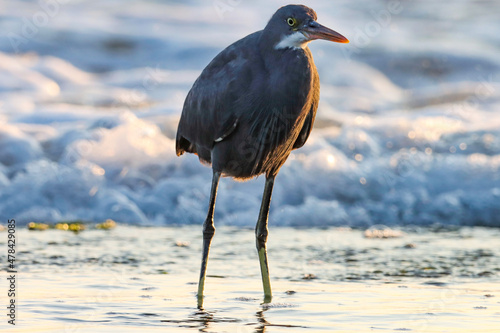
(205, 320)
(261, 328)
(202, 320)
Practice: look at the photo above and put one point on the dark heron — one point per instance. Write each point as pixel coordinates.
(250, 107)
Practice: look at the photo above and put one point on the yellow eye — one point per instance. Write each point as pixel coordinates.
(291, 21)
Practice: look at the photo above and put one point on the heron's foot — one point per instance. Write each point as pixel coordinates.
(200, 301)
(267, 299)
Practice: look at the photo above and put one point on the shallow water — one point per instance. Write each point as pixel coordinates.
(323, 279)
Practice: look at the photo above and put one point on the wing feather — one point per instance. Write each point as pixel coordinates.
(309, 121)
(210, 112)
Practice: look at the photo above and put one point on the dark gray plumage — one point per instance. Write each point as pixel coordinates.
(252, 105)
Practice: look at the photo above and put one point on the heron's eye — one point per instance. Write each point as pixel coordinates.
(291, 21)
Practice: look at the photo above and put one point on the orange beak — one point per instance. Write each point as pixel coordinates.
(314, 30)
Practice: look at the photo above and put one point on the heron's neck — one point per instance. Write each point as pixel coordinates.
(297, 40)
(284, 58)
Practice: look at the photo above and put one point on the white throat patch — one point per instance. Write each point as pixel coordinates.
(296, 40)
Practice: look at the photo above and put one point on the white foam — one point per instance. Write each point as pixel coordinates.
(407, 131)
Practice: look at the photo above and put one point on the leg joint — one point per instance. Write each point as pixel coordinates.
(261, 238)
(261, 235)
(208, 229)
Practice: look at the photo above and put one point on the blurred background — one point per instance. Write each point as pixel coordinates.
(407, 131)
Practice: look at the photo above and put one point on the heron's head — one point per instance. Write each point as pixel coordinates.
(294, 26)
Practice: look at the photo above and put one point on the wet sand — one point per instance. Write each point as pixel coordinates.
(131, 278)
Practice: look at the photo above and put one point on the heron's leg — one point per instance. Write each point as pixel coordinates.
(208, 233)
(261, 233)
